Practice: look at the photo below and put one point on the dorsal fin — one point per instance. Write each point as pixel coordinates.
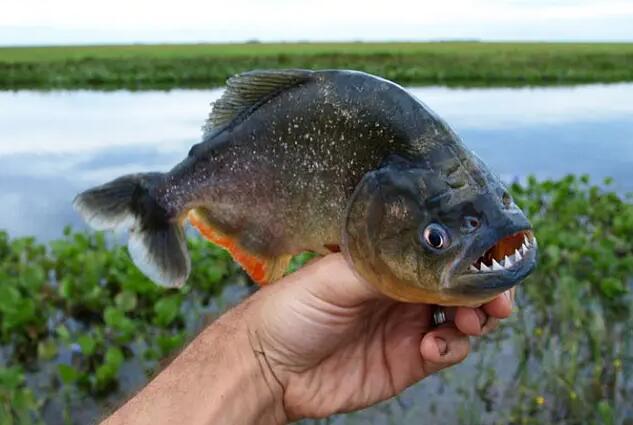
(246, 90)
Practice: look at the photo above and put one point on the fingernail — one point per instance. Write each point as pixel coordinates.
(483, 317)
(442, 346)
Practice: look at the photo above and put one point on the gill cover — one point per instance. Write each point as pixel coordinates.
(381, 234)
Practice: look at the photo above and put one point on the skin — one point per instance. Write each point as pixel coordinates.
(319, 342)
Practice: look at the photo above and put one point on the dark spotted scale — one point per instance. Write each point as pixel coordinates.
(297, 160)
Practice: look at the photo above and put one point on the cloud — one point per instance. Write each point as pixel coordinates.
(62, 21)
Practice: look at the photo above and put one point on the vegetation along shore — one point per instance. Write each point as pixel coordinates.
(207, 65)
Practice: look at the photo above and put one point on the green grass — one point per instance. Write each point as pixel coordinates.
(205, 65)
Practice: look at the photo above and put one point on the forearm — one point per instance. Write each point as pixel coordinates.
(218, 378)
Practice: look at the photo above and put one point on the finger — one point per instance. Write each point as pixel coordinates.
(491, 325)
(470, 321)
(501, 306)
(312, 261)
(443, 347)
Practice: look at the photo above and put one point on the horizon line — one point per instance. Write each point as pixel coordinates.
(332, 42)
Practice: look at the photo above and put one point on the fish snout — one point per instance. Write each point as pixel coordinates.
(500, 255)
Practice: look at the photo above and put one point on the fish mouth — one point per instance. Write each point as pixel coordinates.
(507, 253)
(501, 266)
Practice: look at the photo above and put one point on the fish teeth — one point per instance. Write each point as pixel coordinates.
(509, 260)
(517, 256)
(526, 241)
(496, 266)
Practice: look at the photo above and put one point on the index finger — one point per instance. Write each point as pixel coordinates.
(500, 307)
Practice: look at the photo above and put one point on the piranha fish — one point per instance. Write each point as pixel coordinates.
(323, 161)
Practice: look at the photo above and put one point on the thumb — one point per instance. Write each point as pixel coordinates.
(443, 347)
(333, 280)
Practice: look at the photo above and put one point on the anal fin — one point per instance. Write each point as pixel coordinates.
(261, 269)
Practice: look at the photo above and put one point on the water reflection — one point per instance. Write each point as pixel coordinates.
(54, 144)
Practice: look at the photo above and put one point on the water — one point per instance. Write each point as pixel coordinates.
(54, 144)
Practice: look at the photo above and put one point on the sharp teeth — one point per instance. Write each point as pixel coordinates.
(524, 249)
(517, 256)
(484, 268)
(526, 241)
(507, 262)
(495, 265)
(473, 268)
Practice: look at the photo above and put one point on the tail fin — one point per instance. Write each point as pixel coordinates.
(157, 242)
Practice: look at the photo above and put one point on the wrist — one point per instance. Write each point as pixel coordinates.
(251, 393)
(216, 379)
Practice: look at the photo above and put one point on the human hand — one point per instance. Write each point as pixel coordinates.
(332, 343)
(318, 342)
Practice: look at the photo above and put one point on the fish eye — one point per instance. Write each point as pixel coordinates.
(435, 236)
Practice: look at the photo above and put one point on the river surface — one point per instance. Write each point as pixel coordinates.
(54, 144)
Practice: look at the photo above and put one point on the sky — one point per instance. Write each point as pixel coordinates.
(38, 22)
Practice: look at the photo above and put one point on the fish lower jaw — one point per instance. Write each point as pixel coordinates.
(513, 260)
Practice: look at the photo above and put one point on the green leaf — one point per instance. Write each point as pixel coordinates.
(167, 309)
(66, 288)
(11, 377)
(63, 333)
(169, 343)
(215, 272)
(553, 252)
(107, 372)
(126, 300)
(104, 374)
(606, 413)
(612, 287)
(9, 298)
(114, 357)
(87, 344)
(68, 374)
(113, 317)
(33, 277)
(117, 320)
(46, 350)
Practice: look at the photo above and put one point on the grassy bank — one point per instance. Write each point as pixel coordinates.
(205, 65)
(81, 328)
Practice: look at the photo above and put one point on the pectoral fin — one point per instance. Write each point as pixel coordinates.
(261, 269)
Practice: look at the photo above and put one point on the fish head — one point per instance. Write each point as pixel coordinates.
(437, 232)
